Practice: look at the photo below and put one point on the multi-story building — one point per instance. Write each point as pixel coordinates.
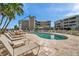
(68, 23)
(24, 24)
(43, 24)
(32, 24)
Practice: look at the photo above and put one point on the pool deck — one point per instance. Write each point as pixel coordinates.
(68, 47)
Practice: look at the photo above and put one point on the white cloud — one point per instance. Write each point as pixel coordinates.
(74, 10)
(71, 14)
(76, 7)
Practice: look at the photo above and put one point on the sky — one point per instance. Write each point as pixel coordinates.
(47, 11)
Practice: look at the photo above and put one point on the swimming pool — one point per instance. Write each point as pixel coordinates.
(50, 36)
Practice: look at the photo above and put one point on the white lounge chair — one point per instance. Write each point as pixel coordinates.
(13, 39)
(19, 50)
(16, 43)
(15, 35)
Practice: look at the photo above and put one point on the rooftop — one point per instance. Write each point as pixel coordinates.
(67, 18)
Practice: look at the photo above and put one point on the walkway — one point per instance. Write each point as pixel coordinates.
(66, 47)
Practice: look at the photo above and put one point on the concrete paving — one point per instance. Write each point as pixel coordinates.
(68, 47)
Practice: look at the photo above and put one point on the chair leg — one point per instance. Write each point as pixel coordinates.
(38, 51)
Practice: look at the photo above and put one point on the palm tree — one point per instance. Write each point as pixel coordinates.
(2, 12)
(11, 11)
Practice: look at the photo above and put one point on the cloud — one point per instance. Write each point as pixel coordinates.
(72, 13)
(74, 10)
(76, 7)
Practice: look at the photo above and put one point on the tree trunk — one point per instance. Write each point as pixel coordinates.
(6, 26)
(5, 23)
(1, 21)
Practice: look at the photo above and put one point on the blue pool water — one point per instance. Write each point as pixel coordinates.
(50, 36)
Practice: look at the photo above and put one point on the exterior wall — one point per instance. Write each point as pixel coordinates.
(59, 24)
(31, 24)
(43, 24)
(68, 23)
(24, 25)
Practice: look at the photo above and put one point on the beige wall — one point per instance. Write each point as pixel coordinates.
(44, 24)
(31, 23)
(24, 25)
(68, 22)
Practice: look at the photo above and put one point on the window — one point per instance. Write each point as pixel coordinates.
(72, 22)
(65, 19)
(72, 18)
